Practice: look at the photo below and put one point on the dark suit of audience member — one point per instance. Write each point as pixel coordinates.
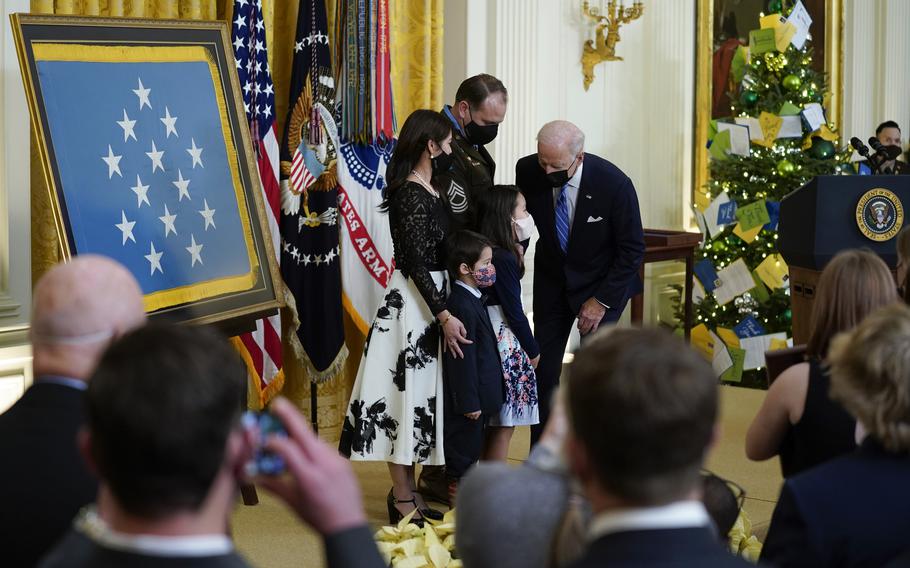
(695, 547)
(601, 259)
(855, 510)
(78, 308)
(472, 383)
(44, 481)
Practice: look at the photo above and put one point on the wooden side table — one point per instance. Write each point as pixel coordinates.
(663, 245)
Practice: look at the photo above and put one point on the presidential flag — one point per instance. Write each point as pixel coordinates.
(261, 349)
(309, 202)
(147, 168)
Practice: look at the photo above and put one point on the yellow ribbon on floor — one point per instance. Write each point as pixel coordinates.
(409, 546)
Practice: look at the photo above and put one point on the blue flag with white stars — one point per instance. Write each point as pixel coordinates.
(147, 170)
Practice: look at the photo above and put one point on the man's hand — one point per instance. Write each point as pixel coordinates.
(590, 315)
(473, 415)
(321, 488)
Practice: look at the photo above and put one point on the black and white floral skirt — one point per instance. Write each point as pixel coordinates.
(395, 413)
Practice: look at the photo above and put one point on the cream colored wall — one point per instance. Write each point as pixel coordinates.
(15, 263)
(876, 66)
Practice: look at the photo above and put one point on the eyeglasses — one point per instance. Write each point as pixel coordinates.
(738, 492)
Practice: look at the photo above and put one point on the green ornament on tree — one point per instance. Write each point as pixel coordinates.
(774, 6)
(791, 82)
(821, 149)
(719, 246)
(785, 167)
(748, 98)
(788, 315)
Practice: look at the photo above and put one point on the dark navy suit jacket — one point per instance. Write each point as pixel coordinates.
(696, 547)
(606, 241)
(474, 382)
(850, 511)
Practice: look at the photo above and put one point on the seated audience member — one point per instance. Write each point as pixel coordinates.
(798, 420)
(79, 308)
(853, 511)
(642, 408)
(165, 436)
(903, 263)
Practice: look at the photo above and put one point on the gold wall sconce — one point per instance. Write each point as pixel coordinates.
(607, 21)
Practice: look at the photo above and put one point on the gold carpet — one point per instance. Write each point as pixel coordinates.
(270, 536)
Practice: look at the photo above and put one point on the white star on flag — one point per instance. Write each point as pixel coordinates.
(195, 251)
(182, 186)
(170, 122)
(113, 163)
(208, 215)
(238, 43)
(127, 125)
(154, 258)
(239, 22)
(196, 154)
(143, 95)
(141, 192)
(155, 155)
(168, 221)
(126, 227)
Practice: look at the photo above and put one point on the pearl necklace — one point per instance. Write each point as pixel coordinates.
(424, 183)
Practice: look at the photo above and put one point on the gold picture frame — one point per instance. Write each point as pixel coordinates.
(232, 298)
(833, 29)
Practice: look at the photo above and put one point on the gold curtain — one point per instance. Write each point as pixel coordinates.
(416, 44)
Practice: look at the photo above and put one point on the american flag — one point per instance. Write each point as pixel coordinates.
(305, 169)
(263, 347)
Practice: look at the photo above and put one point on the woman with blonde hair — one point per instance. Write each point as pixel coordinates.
(852, 511)
(798, 420)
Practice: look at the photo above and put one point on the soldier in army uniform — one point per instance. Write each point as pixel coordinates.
(480, 106)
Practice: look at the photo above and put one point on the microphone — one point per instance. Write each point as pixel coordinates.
(886, 153)
(860, 148)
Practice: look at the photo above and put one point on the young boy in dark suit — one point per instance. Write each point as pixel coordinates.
(473, 385)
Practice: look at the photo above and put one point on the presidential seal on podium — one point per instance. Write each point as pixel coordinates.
(879, 215)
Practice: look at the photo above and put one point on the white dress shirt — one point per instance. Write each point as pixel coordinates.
(90, 524)
(469, 288)
(682, 514)
(572, 187)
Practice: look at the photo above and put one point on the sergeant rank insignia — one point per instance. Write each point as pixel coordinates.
(879, 214)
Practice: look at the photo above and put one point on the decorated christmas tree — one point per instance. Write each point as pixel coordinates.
(776, 139)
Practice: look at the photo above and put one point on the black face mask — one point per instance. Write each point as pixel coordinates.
(480, 135)
(441, 163)
(559, 178)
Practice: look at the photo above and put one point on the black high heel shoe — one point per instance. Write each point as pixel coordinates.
(429, 513)
(395, 515)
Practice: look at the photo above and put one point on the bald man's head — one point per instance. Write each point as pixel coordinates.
(560, 144)
(78, 308)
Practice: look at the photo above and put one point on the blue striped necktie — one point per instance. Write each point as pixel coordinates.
(562, 219)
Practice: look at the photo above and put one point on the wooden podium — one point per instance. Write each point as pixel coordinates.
(661, 245)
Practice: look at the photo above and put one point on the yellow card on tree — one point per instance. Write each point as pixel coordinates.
(735, 373)
(771, 21)
(770, 126)
(745, 235)
(701, 341)
(773, 271)
(777, 344)
(728, 336)
(782, 36)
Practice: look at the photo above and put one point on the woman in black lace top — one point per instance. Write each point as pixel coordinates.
(395, 412)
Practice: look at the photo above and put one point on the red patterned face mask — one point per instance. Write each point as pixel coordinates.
(485, 276)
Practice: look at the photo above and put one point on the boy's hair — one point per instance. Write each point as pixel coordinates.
(464, 247)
